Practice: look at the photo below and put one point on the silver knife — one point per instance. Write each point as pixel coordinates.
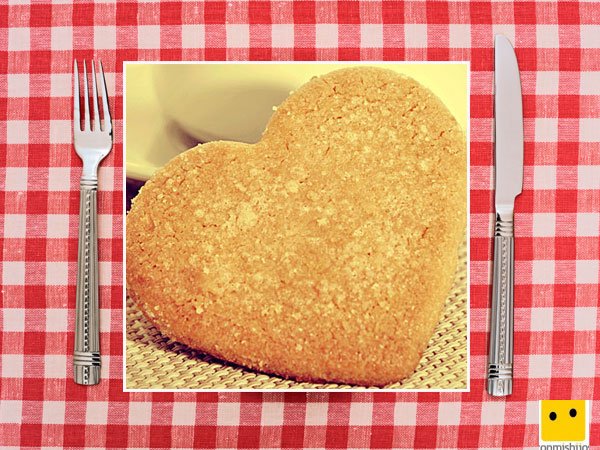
(508, 150)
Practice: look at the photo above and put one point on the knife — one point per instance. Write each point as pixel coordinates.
(508, 154)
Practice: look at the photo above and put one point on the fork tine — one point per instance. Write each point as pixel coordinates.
(86, 100)
(105, 110)
(95, 93)
(76, 116)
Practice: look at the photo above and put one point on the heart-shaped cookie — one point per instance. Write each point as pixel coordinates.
(323, 252)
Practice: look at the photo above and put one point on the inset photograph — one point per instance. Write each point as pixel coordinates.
(296, 226)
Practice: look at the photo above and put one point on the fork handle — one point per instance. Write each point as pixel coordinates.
(500, 366)
(86, 358)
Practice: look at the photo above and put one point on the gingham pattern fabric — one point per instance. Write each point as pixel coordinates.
(557, 219)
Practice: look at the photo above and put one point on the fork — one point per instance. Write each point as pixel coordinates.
(91, 145)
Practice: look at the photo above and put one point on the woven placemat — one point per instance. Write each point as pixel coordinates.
(154, 361)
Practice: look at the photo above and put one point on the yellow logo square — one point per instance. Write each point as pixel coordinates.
(563, 420)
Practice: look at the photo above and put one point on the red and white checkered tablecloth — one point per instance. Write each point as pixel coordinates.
(557, 219)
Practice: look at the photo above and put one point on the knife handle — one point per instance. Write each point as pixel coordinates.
(500, 366)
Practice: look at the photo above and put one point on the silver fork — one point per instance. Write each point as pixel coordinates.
(91, 145)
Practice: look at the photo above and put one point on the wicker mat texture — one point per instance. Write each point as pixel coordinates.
(154, 361)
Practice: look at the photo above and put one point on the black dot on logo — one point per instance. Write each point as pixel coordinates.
(573, 412)
(552, 415)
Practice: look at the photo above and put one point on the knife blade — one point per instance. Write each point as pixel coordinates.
(508, 155)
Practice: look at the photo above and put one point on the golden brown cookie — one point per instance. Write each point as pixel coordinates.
(323, 252)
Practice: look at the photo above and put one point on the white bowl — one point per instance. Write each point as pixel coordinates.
(223, 102)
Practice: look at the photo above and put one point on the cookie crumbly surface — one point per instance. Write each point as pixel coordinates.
(325, 251)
